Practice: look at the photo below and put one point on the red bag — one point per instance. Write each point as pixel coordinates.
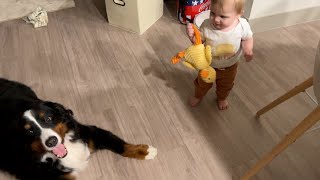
(188, 9)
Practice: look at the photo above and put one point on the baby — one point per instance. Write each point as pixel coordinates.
(230, 36)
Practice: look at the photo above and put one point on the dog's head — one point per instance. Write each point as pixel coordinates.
(45, 126)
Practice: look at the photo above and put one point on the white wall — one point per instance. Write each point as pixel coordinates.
(262, 8)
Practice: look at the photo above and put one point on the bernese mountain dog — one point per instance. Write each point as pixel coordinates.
(43, 140)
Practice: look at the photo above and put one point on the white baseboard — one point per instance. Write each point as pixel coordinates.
(284, 19)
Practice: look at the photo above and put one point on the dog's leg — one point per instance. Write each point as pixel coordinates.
(101, 139)
(67, 177)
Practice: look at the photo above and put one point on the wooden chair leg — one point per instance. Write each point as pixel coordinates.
(299, 88)
(303, 126)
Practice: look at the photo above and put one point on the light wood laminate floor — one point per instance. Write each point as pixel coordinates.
(16, 9)
(125, 83)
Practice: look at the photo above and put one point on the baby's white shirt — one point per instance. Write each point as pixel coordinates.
(226, 46)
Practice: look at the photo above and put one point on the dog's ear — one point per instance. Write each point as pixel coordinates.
(59, 108)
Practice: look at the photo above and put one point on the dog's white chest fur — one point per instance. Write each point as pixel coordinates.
(78, 154)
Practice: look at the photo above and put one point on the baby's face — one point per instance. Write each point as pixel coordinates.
(224, 17)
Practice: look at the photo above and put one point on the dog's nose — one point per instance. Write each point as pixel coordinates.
(52, 141)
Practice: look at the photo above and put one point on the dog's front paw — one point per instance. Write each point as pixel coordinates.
(152, 153)
(140, 151)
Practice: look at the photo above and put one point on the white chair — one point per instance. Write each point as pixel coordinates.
(301, 128)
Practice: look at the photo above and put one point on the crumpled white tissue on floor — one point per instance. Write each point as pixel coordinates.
(38, 18)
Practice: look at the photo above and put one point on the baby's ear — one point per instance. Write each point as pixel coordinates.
(241, 13)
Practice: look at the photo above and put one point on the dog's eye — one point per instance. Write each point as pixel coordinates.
(48, 119)
(30, 132)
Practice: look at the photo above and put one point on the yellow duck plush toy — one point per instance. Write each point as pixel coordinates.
(199, 57)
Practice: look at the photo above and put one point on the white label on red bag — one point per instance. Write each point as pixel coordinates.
(192, 8)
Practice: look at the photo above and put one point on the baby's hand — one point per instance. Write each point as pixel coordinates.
(248, 55)
(190, 31)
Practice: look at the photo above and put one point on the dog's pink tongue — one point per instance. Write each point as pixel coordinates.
(60, 150)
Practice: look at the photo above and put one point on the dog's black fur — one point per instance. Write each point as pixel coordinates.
(22, 149)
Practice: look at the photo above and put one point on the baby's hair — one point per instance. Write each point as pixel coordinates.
(238, 4)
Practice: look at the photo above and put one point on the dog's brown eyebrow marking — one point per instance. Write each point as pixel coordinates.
(27, 126)
(41, 114)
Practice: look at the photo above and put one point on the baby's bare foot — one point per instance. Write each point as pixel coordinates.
(193, 101)
(223, 104)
